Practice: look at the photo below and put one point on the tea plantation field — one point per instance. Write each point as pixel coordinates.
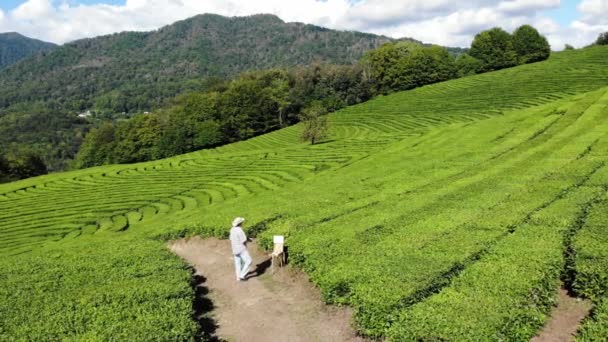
(450, 212)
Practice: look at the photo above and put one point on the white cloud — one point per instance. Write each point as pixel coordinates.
(379, 13)
(596, 9)
(526, 6)
(446, 22)
(33, 9)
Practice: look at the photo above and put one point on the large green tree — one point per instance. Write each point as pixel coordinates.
(530, 45)
(97, 147)
(315, 126)
(494, 48)
(424, 65)
(405, 65)
(137, 139)
(190, 124)
(21, 162)
(4, 169)
(384, 64)
(602, 39)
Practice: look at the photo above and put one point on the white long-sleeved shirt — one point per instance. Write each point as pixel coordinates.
(237, 240)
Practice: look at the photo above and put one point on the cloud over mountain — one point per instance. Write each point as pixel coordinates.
(445, 22)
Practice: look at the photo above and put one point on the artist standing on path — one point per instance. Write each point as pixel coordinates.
(238, 240)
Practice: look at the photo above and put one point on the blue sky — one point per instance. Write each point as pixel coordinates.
(566, 13)
(445, 22)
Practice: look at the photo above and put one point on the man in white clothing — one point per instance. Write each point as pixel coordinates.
(238, 240)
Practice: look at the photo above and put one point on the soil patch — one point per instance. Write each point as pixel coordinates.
(565, 319)
(283, 306)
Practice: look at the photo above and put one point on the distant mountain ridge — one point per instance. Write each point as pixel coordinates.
(15, 47)
(148, 67)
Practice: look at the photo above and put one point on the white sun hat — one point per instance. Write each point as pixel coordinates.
(237, 221)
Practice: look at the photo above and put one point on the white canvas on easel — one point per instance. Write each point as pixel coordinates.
(277, 250)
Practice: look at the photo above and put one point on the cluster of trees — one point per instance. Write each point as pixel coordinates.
(52, 136)
(602, 39)
(404, 65)
(19, 164)
(259, 102)
(496, 49)
(249, 105)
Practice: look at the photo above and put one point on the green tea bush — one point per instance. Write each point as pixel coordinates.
(96, 289)
(594, 328)
(445, 212)
(591, 271)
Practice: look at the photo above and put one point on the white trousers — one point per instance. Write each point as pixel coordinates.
(242, 262)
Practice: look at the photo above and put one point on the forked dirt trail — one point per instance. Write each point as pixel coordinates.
(565, 319)
(283, 306)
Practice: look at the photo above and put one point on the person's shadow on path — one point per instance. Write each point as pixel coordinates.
(259, 269)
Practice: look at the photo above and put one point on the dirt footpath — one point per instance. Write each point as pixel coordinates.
(283, 306)
(565, 319)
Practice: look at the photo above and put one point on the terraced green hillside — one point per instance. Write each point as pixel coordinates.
(450, 212)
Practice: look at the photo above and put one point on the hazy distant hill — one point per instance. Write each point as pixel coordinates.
(14, 47)
(147, 67)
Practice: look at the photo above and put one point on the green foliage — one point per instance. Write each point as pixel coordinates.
(568, 47)
(97, 148)
(334, 86)
(4, 169)
(437, 213)
(117, 75)
(15, 47)
(138, 71)
(590, 256)
(314, 124)
(467, 65)
(252, 104)
(602, 39)
(248, 109)
(494, 48)
(137, 139)
(97, 289)
(529, 45)
(135, 72)
(383, 63)
(52, 136)
(19, 163)
(405, 65)
(595, 328)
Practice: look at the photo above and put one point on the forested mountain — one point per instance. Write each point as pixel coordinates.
(15, 47)
(303, 69)
(142, 71)
(136, 71)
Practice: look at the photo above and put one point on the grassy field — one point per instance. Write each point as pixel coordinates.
(449, 212)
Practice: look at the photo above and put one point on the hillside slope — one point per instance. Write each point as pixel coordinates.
(15, 47)
(449, 212)
(148, 67)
